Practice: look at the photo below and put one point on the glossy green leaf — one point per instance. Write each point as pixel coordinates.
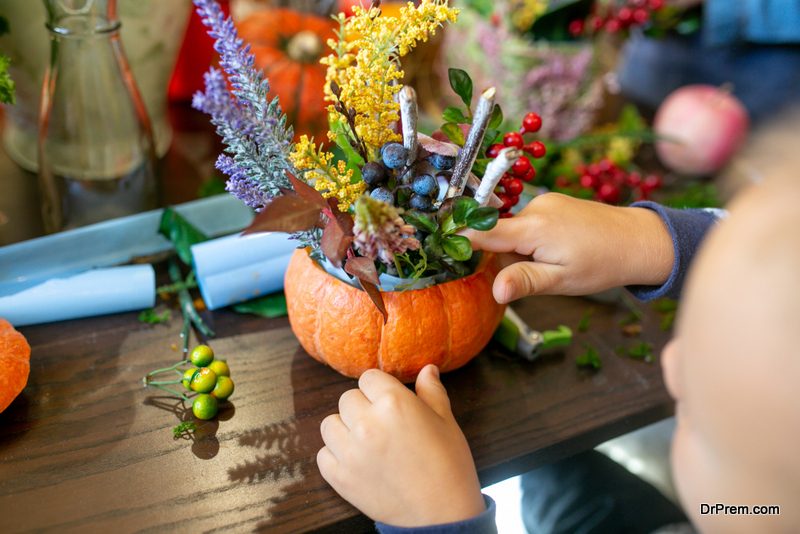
(484, 218)
(462, 208)
(269, 306)
(420, 221)
(462, 85)
(454, 114)
(454, 133)
(497, 117)
(457, 247)
(181, 232)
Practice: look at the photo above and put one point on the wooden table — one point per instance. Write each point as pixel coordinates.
(86, 448)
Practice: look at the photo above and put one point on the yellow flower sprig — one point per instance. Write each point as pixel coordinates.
(525, 12)
(365, 63)
(333, 180)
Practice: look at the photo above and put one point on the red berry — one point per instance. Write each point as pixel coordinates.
(613, 26)
(608, 193)
(655, 5)
(562, 182)
(589, 182)
(535, 149)
(514, 187)
(520, 167)
(593, 169)
(514, 199)
(494, 150)
(634, 179)
(625, 15)
(597, 23)
(506, 215)
(576, 27)
(505, 180)
(532, 123)
(651, 183)
(513, 139)
(530, 175)
(505, 198)
(640, 16)
(605, 165)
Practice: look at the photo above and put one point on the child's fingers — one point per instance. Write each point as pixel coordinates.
(523, 279)
(328, 466)
(431, 391)
(375, 384)
(352, 404)
(505, 237)
(334, 434)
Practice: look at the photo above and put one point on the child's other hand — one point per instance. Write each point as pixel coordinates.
(578, 247)
(400, 458)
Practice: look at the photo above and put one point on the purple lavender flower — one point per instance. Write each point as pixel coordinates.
(252, 127)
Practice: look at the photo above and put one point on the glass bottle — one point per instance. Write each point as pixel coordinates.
(96, 151)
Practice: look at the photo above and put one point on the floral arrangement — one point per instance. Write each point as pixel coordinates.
(376, 201)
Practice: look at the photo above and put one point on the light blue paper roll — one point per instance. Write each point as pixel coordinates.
(237, 268)
(95, 292)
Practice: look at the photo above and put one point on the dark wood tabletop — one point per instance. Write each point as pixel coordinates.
(87, 448)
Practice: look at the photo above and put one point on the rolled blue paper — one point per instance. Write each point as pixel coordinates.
(237, 268)
(95, 292)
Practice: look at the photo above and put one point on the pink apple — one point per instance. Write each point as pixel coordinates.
(705, 125)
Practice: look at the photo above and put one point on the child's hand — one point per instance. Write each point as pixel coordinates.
(400, 458)
(578, 247)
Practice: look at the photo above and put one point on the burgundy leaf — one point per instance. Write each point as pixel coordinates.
(335, 243)
(375, 295)
(286, 213)
(344, 220)
(363, 269)
(306, 191)
(437, 144)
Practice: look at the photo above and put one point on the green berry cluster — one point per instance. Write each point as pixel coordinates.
(210, 378)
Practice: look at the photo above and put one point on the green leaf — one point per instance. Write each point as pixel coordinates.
(270, 306)
(484, 218)
(433, 246)
(462, 85)
(211, 187)
(351, 156)
(586, 319)
(589, 359)
(561, 337)
(497, 117)
(152, 317)
(187, 427)
(420, 221)
(479, 168)
(453, 114)
(462, 208)
(4, 28)
(6, 83)
(453, 132)
(642, 351)
(182, 234)
(630, 120)
(449, 226)
(457, 247)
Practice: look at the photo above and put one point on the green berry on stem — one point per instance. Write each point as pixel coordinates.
(220, 368)
(223, 389)
(204, 380)
(188, 375)
(205, 407)
(201, 355)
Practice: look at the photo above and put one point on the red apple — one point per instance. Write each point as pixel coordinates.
(705, 125)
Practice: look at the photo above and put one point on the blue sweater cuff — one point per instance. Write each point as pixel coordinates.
(757, 21)
(687, 228)
(481, 524)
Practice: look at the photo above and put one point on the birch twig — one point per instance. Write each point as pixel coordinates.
(465, 161)
(409, 114)
(494, 171)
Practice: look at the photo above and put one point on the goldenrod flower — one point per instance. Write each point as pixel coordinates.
(332, 180)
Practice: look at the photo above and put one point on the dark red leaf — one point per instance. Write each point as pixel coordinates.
(344, 220)
(363, 269)
(286, 213)
(306, 191)
(375, 295)
(335, 243)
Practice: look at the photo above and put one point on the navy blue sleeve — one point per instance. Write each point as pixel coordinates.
(482, 524)
(687, 228)
(756, 21)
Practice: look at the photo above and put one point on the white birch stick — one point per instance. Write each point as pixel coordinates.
(469, 152)
(409, 114)
(494, 171)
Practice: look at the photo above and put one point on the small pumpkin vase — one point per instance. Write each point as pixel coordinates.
(446, 324)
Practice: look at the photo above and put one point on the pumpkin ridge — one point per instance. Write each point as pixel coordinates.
(323, 300)
(448, 353)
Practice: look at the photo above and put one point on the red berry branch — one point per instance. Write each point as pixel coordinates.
(613, 19)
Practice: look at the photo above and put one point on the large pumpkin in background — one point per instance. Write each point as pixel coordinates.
(287, 46)
(15, 354)
(446, 324)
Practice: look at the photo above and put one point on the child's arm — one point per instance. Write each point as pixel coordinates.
(401, 458)
(580, 247)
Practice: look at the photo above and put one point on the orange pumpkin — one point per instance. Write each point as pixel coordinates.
(15, 354)
(446, 324)
(287, 46)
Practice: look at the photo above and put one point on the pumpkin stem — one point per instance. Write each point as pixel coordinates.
(304, 47)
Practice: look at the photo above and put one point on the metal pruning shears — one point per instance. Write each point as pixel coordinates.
(517, 337)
